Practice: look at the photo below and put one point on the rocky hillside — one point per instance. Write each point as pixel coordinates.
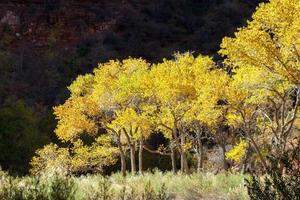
(126, 27)
(63, 38)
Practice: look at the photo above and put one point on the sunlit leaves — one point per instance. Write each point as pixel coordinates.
(77, 158)
(132, 123)
(269, 42)
(93, 157)
(238, 152)
(264, 56)
(82, 85)
(51, 158)
(74, 118)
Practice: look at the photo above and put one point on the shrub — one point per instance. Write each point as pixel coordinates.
(62, 188)
(149, 186)
(149, 192)
(162, 194)
(103, 190)
(9, 188)
(35, 189)
(281, 181)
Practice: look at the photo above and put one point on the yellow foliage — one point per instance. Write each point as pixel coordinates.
(74, 118)
(118, 82)
(93, 157)
(130, 121)
(265, 59)
(78, 158)
(187, 146)
(51, 158)
(82, 85)
(270, 42)
(187, 89)
(237, 152)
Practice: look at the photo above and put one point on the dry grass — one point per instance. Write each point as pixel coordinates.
(150, 186)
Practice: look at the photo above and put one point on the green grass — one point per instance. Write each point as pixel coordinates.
(150, 186)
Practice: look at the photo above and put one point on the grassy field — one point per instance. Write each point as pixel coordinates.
(150, 186)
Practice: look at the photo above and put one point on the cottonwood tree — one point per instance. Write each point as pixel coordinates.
(186, 91)
(125, 98)
(172, 81)
(77, 118)
(133, 128)
(118, 90)
(208, 109)
(266, 56)
(245, 98)
(95, 102)
(133, 114)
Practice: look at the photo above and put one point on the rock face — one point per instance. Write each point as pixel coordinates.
(70, 37)
(215, 156)
(189, 23)
(66, 21)
(11, 19)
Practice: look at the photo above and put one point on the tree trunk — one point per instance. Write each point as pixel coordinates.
(141, 155)
(132, 158)
(222, 143)
(186, 166)
(181, 162)
(200, 158)
(173, 159)
(183, 159)
(200, 153)
(244, 163)
(123, 163)
(122, 157)
(225, 164)
(199, 163)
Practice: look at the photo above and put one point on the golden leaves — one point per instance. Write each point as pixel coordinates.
(74, 118)
(270, 41)
(265, 58)
(93, 157)
(82, 85)
(238, 152)
(77, 158)
(50, 158)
